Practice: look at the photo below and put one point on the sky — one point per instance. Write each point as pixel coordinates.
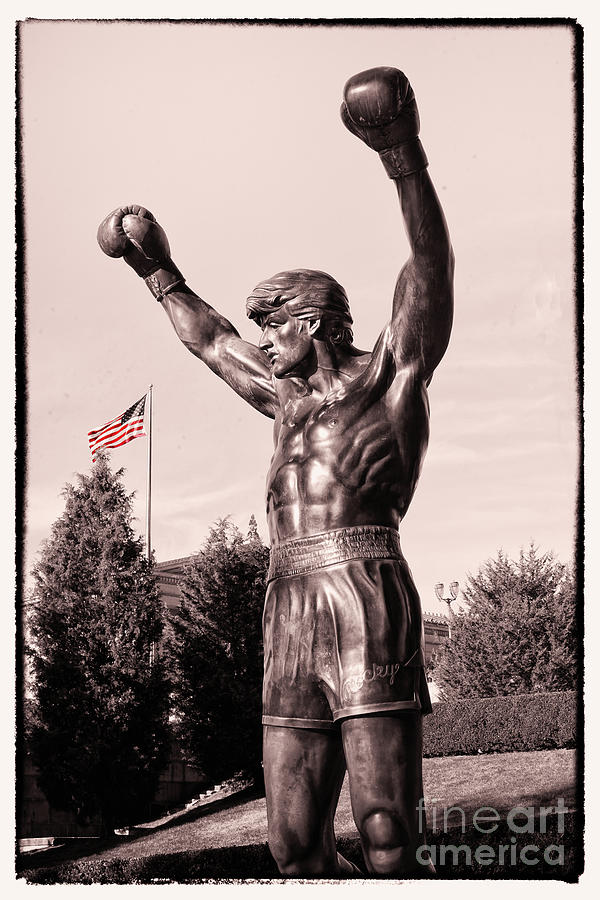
(231, 136)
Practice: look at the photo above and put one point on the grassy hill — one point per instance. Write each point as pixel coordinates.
(227, 840)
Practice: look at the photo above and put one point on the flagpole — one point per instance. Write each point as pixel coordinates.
(149, 500)
(149, 478)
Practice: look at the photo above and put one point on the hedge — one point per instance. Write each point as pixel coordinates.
(501, 724)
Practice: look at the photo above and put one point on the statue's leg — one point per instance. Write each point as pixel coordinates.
(304, 770)
(384, 760)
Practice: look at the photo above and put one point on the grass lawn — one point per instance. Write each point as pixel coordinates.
(228, 840)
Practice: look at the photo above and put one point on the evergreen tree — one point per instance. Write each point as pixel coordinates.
(515, 633)
(98, 727)
(215, 653)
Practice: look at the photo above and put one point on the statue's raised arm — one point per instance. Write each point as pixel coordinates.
(380, 108)
(133, 233)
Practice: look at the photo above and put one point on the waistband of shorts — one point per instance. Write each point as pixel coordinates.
(303, 555)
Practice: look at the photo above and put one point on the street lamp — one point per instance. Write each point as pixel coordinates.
(439, 593)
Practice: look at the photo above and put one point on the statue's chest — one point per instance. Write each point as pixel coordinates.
(309, 428)
(327, 436)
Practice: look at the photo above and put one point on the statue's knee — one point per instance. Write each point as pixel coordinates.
(383, 830)
(388, 843)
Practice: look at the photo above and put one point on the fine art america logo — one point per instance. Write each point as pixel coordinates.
(521, 820)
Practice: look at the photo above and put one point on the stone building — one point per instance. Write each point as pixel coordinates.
(168, 574)
(435, 626)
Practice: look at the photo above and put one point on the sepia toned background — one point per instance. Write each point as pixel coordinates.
(231, 136)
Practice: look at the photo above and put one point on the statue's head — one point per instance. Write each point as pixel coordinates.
(295, 308)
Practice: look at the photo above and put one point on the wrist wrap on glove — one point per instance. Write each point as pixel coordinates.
(404, 159)
(162, 282)
(380, 108)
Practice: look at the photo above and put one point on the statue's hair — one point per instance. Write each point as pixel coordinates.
(306, 293)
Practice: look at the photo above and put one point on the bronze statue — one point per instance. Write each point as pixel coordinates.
(344, 684)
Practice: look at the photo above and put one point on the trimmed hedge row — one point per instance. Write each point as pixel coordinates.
(501, 724)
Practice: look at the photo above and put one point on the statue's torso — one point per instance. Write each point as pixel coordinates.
(351, 458)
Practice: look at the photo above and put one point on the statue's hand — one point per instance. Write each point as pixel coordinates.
(133, 233)
(380, 108)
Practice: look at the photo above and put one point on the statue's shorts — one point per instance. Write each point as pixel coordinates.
(342, 630)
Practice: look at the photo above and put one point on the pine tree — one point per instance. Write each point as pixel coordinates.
(215, 653)
(99, 711)
(515, 633)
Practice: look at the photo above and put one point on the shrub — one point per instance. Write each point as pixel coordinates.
(97, 717)
(215, 655)
(501, 724)
(515, 633)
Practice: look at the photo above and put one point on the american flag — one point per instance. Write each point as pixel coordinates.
(119, 431)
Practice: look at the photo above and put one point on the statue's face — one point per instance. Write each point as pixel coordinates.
(289, 345)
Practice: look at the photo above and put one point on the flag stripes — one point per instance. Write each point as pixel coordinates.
(120, 430)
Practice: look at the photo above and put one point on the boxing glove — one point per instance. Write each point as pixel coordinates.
(380, 108)
(133, 233)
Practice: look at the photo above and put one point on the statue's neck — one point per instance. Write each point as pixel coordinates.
(335, 368)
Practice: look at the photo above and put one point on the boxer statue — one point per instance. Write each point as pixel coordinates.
(344, 683)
